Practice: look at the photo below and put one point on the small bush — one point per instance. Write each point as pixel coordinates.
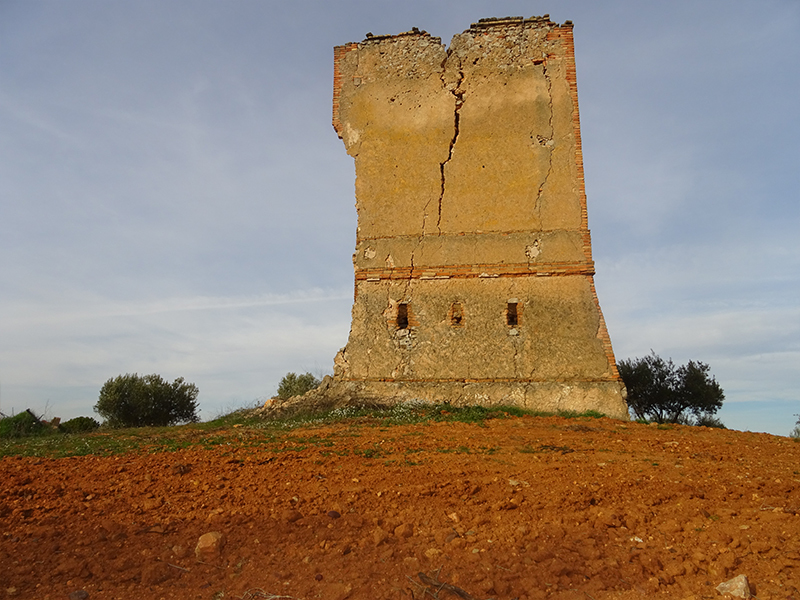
(795, 433)
(709, 421)
(293, 384)
(24, 424)
(79, 425)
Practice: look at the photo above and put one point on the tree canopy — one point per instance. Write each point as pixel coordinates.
(660, 391)
(293, 384)
(147, 400)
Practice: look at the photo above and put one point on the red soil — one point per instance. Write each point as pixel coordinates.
(518, 508)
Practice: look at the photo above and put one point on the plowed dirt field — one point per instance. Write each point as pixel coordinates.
(583, 509)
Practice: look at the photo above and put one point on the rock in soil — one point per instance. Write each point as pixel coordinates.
(738, 587)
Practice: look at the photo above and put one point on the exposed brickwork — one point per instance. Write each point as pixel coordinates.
(565, 35)
(602, 334)
(391, 315)
(338, 54)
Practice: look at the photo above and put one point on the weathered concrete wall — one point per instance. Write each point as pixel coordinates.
(473, 266)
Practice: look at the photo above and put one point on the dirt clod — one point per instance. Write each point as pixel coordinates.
(209, 545)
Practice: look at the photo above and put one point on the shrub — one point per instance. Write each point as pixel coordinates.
(709, 421)
(659, 391)
(296, 385)
(795, 433)
(79, 425)
(139, 401)
(24, 424)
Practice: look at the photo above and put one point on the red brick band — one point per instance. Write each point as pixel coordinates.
(476, 271)
(492, 380)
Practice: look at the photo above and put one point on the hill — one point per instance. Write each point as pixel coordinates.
(519, 507)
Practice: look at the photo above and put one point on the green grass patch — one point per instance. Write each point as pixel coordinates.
(24, 424)
(545, 448)
(26, 436)
(458, 450)
(374, 452)
(412, 413)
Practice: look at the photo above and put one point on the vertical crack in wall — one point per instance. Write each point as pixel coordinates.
(406, 294)
(458, 94)
(411, 258)
(548, 143)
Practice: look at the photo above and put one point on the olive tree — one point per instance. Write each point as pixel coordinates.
(293, 384)
(660, 391)
(147, 400)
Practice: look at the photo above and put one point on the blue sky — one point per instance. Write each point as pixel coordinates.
(173, 198)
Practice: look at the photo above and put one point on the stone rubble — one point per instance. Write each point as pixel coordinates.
(738, 587)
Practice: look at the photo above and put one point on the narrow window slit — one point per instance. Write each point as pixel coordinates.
(512, 316)
(402, 316)
(456, 315)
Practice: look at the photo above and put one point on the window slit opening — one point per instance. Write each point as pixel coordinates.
(512, 316)
(456, 315)
(402, 316)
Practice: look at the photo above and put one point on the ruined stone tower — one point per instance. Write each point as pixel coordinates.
(473, 265)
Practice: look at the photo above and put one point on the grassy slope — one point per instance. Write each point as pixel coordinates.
(243, 427)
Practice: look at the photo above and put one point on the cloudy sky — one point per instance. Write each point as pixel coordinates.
(173, 198)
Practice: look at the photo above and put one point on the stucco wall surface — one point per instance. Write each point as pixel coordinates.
(473, 267)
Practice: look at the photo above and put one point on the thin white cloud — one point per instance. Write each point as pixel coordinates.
(25, 115)
(88, 308)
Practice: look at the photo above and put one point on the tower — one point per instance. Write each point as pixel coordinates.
(474, 278)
